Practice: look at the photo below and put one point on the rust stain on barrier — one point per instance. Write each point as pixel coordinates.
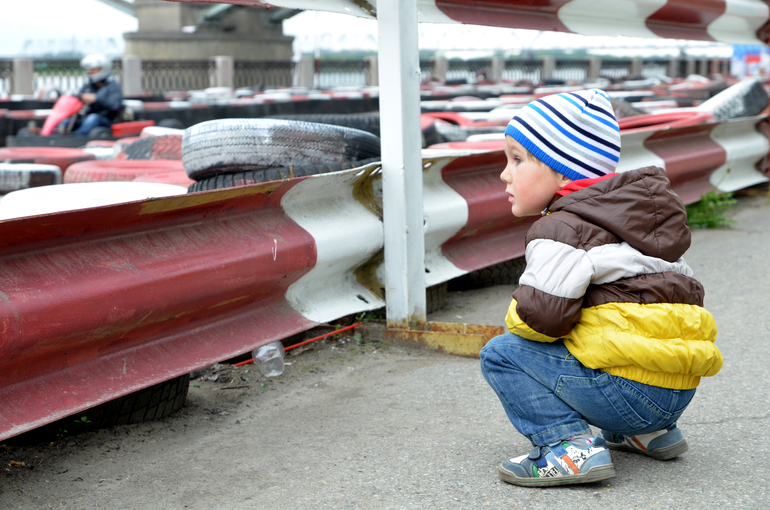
(363, 190)
(366, 275)
(366, 7)
(451, 338)
(183, 201)
(121, 329)
(228, 301)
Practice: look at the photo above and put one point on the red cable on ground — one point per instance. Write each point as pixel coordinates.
(305, 342)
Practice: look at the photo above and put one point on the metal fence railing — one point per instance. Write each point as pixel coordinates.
(340, 73)
(60, 76)
(6, 77)
(255, 74)
(615, 69)
(655, 68)
(517, 70)
(467, 70)
(158, 77)
(426, 69)
(571, 70)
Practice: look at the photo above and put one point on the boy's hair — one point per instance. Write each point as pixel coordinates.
(532, 157)
(573, 133)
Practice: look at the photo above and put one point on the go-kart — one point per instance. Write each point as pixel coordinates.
(57, 128)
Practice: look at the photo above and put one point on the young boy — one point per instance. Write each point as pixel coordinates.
(607, 326)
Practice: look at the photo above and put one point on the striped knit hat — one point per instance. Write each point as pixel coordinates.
(574, 133)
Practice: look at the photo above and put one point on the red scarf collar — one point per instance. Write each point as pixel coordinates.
(580, 184)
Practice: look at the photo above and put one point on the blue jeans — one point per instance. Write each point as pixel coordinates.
(550, 396)
(92, 120)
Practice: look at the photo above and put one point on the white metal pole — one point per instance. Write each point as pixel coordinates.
(401, 163)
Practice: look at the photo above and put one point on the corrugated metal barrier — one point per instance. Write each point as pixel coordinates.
(96, 305)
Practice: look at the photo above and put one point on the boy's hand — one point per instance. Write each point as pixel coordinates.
(88, 98)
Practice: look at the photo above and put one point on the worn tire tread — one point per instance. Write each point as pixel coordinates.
(271, 174)
(228, 146)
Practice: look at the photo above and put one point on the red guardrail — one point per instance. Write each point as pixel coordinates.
(96, 306)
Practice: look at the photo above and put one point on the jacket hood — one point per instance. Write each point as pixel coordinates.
(637, 206)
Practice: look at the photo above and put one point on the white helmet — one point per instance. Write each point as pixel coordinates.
(97, 61)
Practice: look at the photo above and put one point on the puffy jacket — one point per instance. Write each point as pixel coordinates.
(109, 98)
(605, 272)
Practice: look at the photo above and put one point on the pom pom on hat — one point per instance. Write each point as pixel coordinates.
(574, 133)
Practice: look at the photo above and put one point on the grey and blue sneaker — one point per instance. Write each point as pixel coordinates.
(662, 445)
(560, 464)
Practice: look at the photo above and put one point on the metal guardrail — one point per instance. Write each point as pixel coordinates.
(96, 306)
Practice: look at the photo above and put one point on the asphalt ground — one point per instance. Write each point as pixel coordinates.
(361, 424)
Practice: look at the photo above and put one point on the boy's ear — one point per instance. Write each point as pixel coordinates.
(562, 180)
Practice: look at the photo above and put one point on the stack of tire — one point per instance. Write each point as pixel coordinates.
(227, 153)
(29, 167)
(141, 159)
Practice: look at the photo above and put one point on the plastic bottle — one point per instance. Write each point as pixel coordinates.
(269, 359)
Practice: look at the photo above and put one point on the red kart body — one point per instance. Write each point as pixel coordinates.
(67, 106)
(63, 108)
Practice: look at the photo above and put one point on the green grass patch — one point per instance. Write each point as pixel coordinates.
(710, 211)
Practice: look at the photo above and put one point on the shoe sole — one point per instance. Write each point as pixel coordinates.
(664, 453)
(594, 474)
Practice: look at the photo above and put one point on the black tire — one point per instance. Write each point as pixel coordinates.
(228, 146)
(17, 176)
(744, 99)
(368, 123)
(153, 403)
(154, 147)
(504, 273)
(435, 297)
(100, 133)
(171, 123)
(453, 133)
(430, 136)
(624, 109)
(270, 174)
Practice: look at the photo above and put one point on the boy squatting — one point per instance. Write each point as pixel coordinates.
(607, 326)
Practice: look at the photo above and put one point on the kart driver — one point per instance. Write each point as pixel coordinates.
(101, 95)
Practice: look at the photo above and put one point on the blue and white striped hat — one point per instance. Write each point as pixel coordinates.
(575, 133)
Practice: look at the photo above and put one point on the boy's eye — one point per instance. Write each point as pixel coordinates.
(517, 160)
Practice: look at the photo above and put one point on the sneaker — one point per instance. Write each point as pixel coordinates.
(559, 464)
(662, 445)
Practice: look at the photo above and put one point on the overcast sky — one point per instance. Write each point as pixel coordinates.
(42, 21)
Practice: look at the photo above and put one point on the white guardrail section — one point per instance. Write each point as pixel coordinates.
(745, 147)
(341, 213)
